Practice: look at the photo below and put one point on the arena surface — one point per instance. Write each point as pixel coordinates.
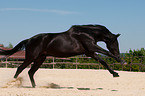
(72, 82)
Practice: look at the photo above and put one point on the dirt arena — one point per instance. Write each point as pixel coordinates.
(72, 82)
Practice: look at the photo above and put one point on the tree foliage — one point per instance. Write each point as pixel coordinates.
(137, 52)
(10, 45)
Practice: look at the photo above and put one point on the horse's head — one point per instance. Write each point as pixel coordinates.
(113, 46)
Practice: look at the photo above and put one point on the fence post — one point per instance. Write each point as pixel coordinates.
(131, 63)
(140, 65)
(76, 63)
(99, 64)
(53, 62)
(122, 64)
(122, 67)
(6, 62)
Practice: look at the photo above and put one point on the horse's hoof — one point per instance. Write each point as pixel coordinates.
(115, 74)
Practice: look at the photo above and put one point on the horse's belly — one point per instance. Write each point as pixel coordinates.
(65, 51)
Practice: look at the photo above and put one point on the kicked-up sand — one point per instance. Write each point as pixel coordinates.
(72, 82)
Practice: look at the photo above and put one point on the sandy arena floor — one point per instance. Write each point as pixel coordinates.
(72, 82)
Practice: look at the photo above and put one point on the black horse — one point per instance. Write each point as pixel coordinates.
(79, 39)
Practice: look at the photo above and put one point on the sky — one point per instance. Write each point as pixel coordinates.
(22, 19)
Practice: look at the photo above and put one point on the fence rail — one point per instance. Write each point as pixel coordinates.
(78, 61)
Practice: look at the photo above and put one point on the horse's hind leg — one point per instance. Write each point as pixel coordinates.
(96, 57)
(22, 67)
(37, 63)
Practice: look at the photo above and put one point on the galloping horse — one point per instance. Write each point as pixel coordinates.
(79, 39)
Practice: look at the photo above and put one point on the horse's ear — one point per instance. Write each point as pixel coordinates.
(118, 35)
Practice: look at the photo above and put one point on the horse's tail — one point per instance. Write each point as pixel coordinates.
(18, 47)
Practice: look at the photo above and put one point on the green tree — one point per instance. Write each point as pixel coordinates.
(10, 45)
(137, 52)
(136, 56)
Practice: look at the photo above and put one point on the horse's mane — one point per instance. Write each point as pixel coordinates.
(90, 26)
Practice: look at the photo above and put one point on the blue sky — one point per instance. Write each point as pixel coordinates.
(21, 19)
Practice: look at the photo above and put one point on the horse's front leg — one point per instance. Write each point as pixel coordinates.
(96, 57)
(92, 47)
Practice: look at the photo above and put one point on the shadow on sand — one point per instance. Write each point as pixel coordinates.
(56, 86)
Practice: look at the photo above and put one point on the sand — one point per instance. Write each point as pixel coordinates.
(72, 82)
